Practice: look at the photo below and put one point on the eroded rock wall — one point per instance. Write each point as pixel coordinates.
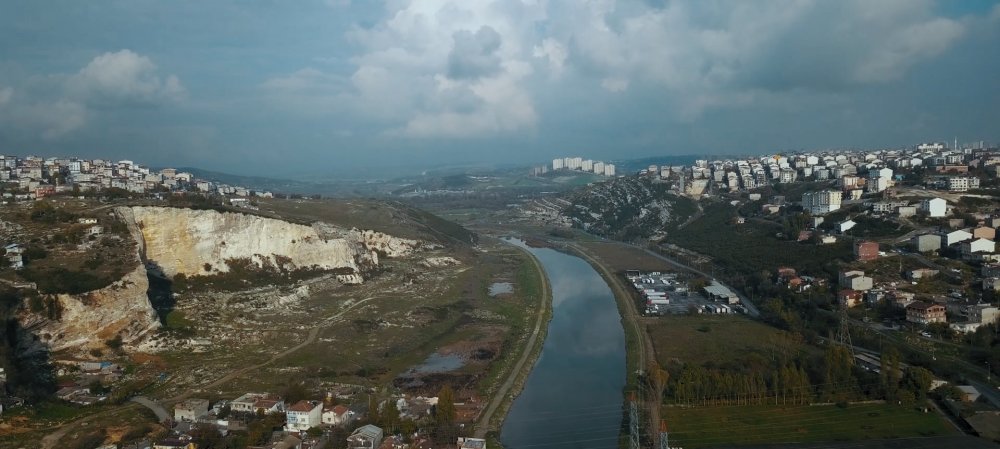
(88, 320)
(187, 241)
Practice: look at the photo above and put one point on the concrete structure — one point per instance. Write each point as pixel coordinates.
(866, 250)
(718, 292)
(925, 313)
(365, 437)
(254, 402)
(935, 207)
(921, 273)
(984, 232)
(304, 415)
(845, 226)
(855, 280)
(191, 410)
(471, 443)
(970, 247)
(822, 202)
(926, 242)
(954, 237)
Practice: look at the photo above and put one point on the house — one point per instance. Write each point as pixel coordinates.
(827, 240)
(935, 207)
(304, 415)
(954, 237)
(471, 443)
(191, 410)
(990, 270)
(866, 250)
(253, 402)
(991, 284)
(849, 298)
(926, 242)
(855, 280)
(921, 273)
(337, 415)
(365, 437)
(845, 226)
(984, 232)
(786, 272)
(921, 312)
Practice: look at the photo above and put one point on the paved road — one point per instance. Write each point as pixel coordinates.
(483, 426)
(161, 413)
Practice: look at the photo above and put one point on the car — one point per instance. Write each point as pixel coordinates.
(926, 334)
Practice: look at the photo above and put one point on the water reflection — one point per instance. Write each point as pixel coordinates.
(573, 396)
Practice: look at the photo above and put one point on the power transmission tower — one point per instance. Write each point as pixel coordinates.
(844, 333)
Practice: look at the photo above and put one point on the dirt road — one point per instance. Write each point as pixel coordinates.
(483, 426)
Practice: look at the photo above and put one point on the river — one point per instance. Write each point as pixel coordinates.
(573, 396)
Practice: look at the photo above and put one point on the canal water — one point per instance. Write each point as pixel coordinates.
(573, 396)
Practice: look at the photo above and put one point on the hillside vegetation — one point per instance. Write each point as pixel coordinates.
(627, 208)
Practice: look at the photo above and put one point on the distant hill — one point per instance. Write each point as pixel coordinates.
(252, 182)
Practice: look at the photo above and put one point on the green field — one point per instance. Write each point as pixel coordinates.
(719, 339)
(729, 426)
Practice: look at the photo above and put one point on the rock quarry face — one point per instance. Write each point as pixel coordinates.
(185, 240)
(90, 319)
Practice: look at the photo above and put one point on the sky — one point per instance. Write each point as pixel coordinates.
(346, 87)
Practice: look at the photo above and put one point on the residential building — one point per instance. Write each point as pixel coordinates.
(991, 284)
(855, 280)
(337, 415)
(849, 298)
(866, 250)
(935, 207)
(822, 202)
(921, 312)
(191, 410)
(926, 242)
(970, 247)
(304, 415)
(254, 402)
(984, 232)
(954, 237)
(365, 437)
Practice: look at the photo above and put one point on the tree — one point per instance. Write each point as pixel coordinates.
(445, 410)
(889, 373)
(389, 418)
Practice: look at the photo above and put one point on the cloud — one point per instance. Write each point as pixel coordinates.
(448, 69)
(49, 119)
(124, 78)
(474, 56)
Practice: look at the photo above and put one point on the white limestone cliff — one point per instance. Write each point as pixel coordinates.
(90, 319)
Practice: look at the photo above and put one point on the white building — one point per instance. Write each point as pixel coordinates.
(557, 164)
(609, 170)
(191, 410)
(962, 183)
(957, 236)
(822, 202)
(935, 207)
(304, 415)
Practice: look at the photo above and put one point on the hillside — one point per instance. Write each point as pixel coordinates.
(627, 208)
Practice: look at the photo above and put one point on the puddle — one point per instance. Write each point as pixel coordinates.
(501, 288)
(438, 363)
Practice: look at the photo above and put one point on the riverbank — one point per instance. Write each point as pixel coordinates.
(492, 418)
